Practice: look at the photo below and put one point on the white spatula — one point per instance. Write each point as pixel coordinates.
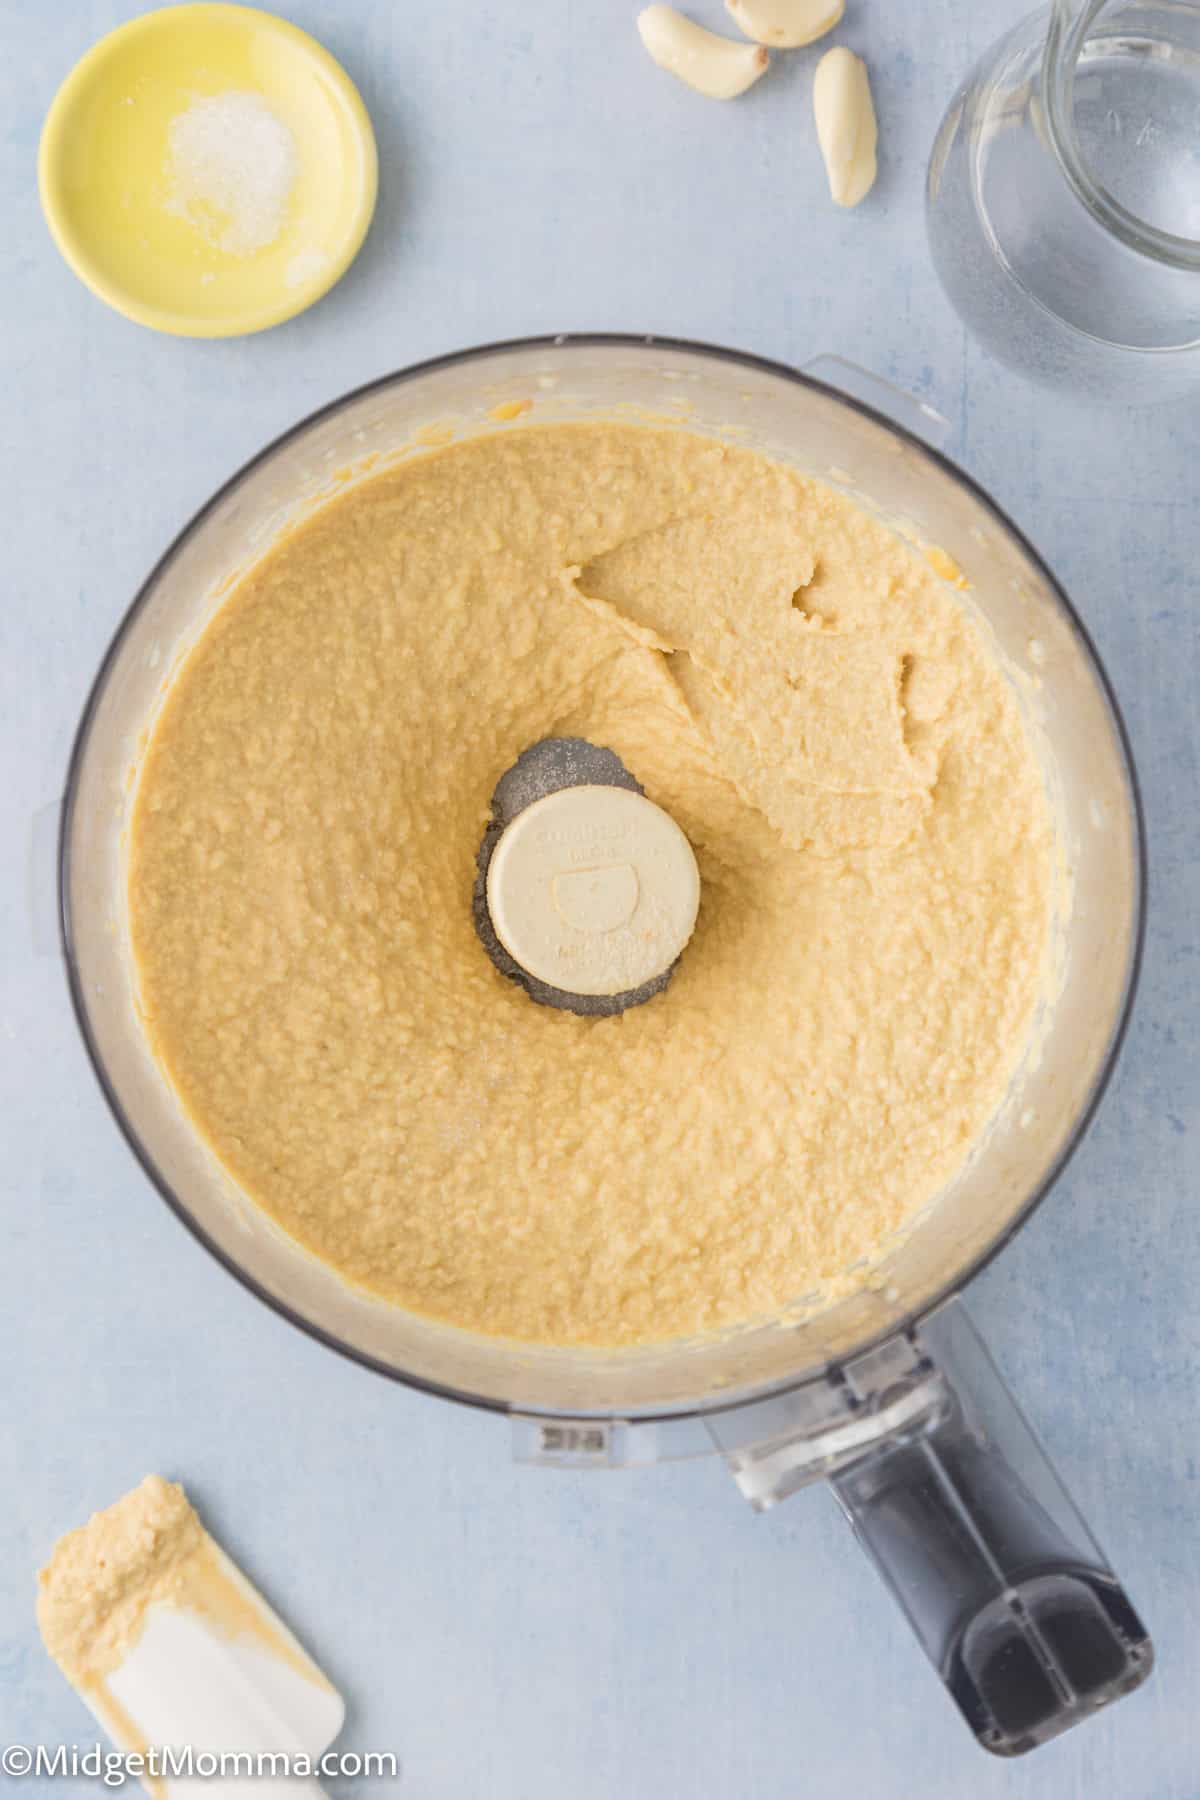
(204, 1665)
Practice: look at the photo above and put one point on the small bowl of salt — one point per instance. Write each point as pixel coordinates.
(208, 170)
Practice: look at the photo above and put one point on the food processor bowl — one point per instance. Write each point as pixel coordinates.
(816, 1390)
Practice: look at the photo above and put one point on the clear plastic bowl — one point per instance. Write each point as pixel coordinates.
(823, 432)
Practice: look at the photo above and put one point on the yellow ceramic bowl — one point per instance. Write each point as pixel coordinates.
(105, 177)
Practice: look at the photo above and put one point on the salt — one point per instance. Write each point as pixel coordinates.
(233, 165)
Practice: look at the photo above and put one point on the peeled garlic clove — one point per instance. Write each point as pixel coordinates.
(785, 24)
(846, 129)
(713, 65)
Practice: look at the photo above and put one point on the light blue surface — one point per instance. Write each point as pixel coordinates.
(515, 1634)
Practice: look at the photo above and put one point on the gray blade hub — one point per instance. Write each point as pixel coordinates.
(547, 766)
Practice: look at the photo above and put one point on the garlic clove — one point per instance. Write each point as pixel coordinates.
(785, 24)
(846, 127)
(713, 65)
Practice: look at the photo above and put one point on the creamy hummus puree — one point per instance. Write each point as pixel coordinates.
(94, 1592)
(787, 678)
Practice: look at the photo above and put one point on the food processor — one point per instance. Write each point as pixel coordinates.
(887, 1393)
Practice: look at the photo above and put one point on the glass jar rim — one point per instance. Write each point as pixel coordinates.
(1067, 35)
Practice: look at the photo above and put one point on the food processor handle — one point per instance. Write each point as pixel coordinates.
(1003, 1583)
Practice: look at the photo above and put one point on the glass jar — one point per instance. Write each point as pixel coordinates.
(1063, 199)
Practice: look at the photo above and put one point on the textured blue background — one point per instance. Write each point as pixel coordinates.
(512, 1633)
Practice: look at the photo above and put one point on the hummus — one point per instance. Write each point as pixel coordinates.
(94, 1593)
(793, 684)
